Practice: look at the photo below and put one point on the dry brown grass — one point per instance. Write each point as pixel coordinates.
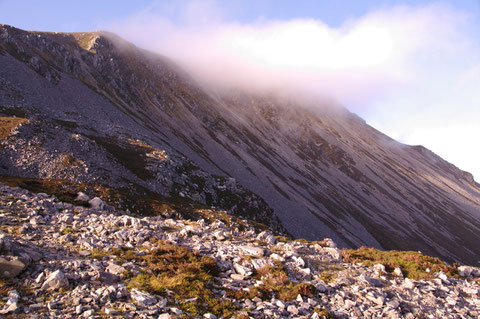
(8, 124)
(413, 264)
(187, 274)
(275, 283)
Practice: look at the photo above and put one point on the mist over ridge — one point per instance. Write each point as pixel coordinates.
(397, 67)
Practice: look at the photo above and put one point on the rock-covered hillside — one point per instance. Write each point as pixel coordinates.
(60, 260)
(100, 110)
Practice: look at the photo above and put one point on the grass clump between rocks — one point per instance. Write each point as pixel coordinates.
(171, 268)
(414, 265)
(275, 283)
(323, 313)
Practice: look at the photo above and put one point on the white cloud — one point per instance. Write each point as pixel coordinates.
(412, 72)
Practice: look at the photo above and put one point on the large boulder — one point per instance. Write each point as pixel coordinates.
(81, 196)
(56, 280)
(10, 266)
(142, 298)
(97, 203)
(15, 256)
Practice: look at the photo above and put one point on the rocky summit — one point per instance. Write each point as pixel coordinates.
(59, 260)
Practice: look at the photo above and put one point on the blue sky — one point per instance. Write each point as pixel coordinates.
(87, 15)
(409, 68)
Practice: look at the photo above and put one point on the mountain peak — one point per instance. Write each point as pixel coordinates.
(103, 110)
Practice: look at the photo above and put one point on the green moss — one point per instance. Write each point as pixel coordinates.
(413, 264)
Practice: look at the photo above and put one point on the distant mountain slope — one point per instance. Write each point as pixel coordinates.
(120, 111)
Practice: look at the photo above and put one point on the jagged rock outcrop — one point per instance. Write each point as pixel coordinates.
(102, 110)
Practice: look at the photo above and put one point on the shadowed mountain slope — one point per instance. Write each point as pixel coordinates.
(103, 110)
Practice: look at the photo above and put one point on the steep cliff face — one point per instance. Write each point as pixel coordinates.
(102, 110)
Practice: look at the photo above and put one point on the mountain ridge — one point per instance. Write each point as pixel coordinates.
(323, 174)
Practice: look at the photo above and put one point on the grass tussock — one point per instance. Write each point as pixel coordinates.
(4, 287)
(173, 268)
(275, 283)
(8, 124)
(413, 264)
(283, 239)
(323, 313)
(67, 230)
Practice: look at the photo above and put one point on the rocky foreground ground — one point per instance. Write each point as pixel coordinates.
(58, 260)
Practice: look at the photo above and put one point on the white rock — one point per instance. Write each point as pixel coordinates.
(444, 278)
(277, 257)
(109, 311)
(299, 261)
(165, 316)
(267, 237)
(312, 302)
(408, 284)
(142, 298)
(253, 251)
(349, 304)
(293, 310)
(330, 243)
(115, 269)
(56, 280)
(241, 270)
(280, 304)
(13, 296)
(237, 277)
(306, 271)
(176, 311)
(465, 271)
(470, 291)
(97, 203)
(81, 196)
(9, 308)
(78, 309)
(398, 272)
(209, 316)
(220, 235)
(379, 269)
